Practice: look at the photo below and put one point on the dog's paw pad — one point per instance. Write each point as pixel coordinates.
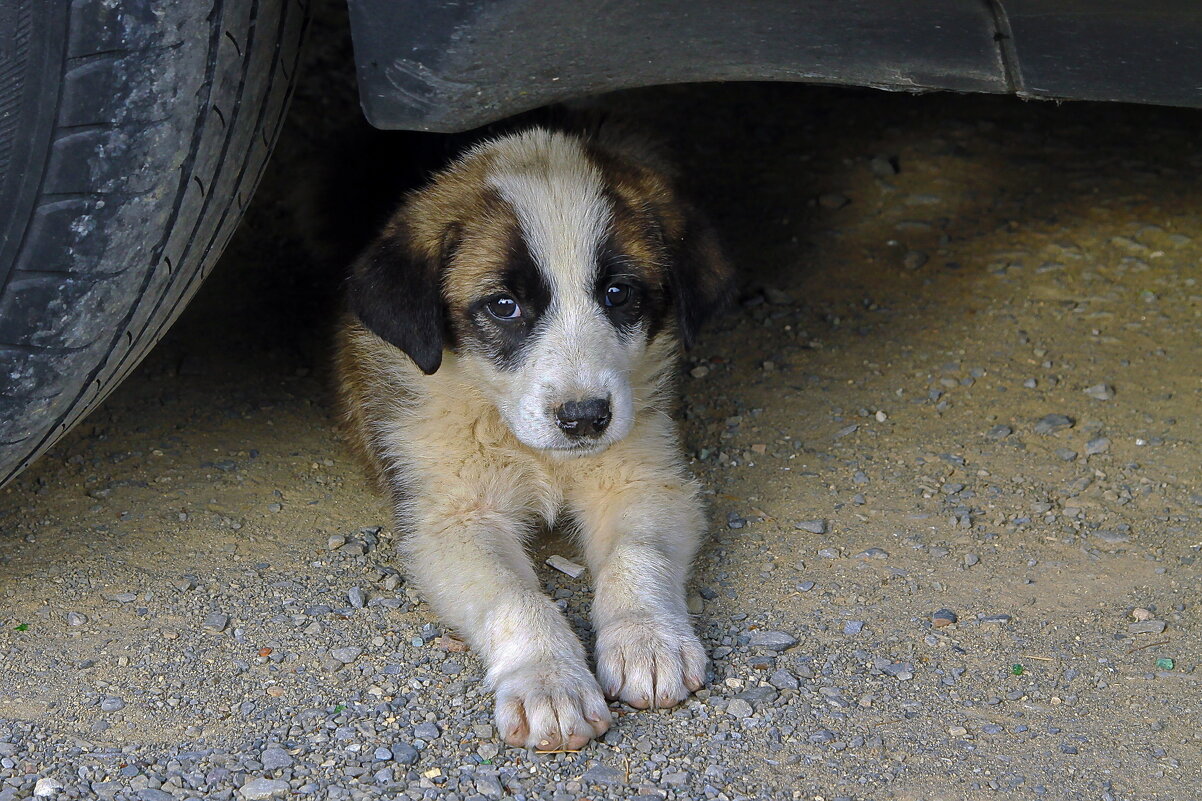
(548, 712)
(646, 664)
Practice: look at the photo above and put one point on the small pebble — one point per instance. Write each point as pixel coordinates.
(999, 432)
(739, 708)
(263, 789)
(112, 704)
(355, 596)
(46, 787)
(216, 622)
(76, 618)
(1147, 627)
(275, 759)
(566, 566)
(1051, 423)
(812, 526)
(853, 626)
(346, 655)
(1096, 446)
(772, 640)
(943, 618)
(1102, 392)
(404, 753)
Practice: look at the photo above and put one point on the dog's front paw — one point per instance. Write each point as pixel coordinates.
(648, 664)
(550, 708)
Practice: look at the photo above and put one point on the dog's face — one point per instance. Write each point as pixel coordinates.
(549, 265)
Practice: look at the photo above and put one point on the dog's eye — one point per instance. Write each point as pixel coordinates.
(616, 295)
(504, 307)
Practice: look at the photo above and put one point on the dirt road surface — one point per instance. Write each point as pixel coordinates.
(950, 436)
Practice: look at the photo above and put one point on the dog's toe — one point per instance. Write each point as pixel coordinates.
(550, 710)
(646, 664)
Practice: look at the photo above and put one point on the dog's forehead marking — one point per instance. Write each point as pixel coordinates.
(557, 195)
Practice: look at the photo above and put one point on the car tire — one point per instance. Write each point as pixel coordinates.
(132, 135)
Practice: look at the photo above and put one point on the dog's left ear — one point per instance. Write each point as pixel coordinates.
(701, 279)
(395, 289)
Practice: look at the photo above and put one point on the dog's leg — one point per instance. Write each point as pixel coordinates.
(640, 525)
(466, 550)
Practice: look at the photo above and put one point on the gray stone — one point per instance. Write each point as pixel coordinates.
(155, 794)
(1102, 392)
(112, 704)
(216, 622)
(346, 655)
(604, 775)
(1147, 627)
(275, 759)
(263, 789)
(404, 753)
(783, 680)
(427, 731)
(853, 626)
(76, 618)
(943, 617)
(105, 789)
(1051, 423)
(1096, 446)
(47, 786)
(355, 596)
(739, 708)
(772, 640)
(1109, 538)
(812, 526)
(999, 432)
(899, 670)
(758, 694)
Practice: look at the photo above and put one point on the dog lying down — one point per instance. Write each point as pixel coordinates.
(507, 361)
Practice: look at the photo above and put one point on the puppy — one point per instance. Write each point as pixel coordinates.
(507, 362)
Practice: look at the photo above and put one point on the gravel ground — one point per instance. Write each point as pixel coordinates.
(949, 433)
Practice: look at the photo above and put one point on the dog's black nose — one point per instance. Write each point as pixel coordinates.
(586, 418)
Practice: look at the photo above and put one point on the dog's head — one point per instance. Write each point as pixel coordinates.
(550, 265)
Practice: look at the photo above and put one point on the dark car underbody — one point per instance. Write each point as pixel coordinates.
(451, 66)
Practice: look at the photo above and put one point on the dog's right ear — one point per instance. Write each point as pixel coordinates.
(395, 289)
